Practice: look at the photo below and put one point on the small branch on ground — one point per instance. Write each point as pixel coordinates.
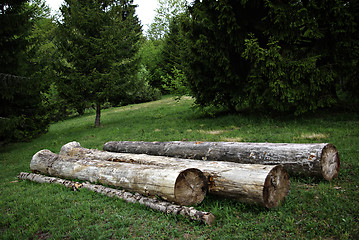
(163, 206)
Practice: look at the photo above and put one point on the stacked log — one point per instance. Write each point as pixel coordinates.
(317, 159)
(184, 186)
(267, 185)
(183, 172)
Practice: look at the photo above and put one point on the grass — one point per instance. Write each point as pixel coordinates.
(314, 209)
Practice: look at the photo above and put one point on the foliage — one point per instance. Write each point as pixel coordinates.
(15, 22)
(164, 13)
(283, 84)
(44, 58)
(314, 209)
(141, 90)
(22, 115)
(175, 54)
(164, 58)
(176, 83)
(99, 42)
(152, 60)
(270, 55)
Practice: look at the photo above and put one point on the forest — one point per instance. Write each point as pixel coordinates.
(232, 56)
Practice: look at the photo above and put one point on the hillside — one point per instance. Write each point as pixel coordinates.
(313, 209)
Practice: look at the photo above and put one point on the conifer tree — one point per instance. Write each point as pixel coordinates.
(273, 55)
(21, 112)
(98, 40)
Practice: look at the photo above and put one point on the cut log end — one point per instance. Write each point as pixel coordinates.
(276, 187)
(68, 148)
(330, 162)
(190, 187)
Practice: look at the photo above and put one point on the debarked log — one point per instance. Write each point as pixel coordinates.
(153, 203)
(313, 159)
(180, 185)
(266, 185)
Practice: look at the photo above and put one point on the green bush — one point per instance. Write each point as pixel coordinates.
(176, 83)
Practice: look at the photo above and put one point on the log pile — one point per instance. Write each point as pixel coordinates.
(250, 183)
(182, 173)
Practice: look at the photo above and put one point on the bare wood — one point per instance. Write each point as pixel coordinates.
(180, 185)
(250, 183)
(315, 159)
(163, 206)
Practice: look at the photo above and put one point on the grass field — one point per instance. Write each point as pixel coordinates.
(314, 209)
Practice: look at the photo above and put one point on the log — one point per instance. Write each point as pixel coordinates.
(266, 185)
(315, 159)
(180, 185)
(153, 203)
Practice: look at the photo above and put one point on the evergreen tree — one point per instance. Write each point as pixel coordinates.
(44, 60)
(21, 113)
(99, 42)
(15, 25)
(175, 55)
(274, 55)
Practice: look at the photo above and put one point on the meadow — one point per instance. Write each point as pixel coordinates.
(314, 208)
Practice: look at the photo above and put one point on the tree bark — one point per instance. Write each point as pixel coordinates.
(166, 207)
(180, 185)
(316, 159)
(250, 183)
(98, 115)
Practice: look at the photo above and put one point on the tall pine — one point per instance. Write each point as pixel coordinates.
(21, 112)
(99, 42)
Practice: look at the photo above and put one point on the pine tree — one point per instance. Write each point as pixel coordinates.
(21, 112)
(273, 55)
(99, 42)
(15, 25)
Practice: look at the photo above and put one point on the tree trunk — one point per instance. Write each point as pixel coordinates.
(166, 207)
(180, 185)
(98, 115)
(250, 183)
(316, 159)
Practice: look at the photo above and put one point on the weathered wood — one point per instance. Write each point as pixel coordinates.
(180, 185)
(250, 183)
(315, 159)
(153, 203)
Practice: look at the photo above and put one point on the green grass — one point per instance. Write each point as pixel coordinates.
(313, 209)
